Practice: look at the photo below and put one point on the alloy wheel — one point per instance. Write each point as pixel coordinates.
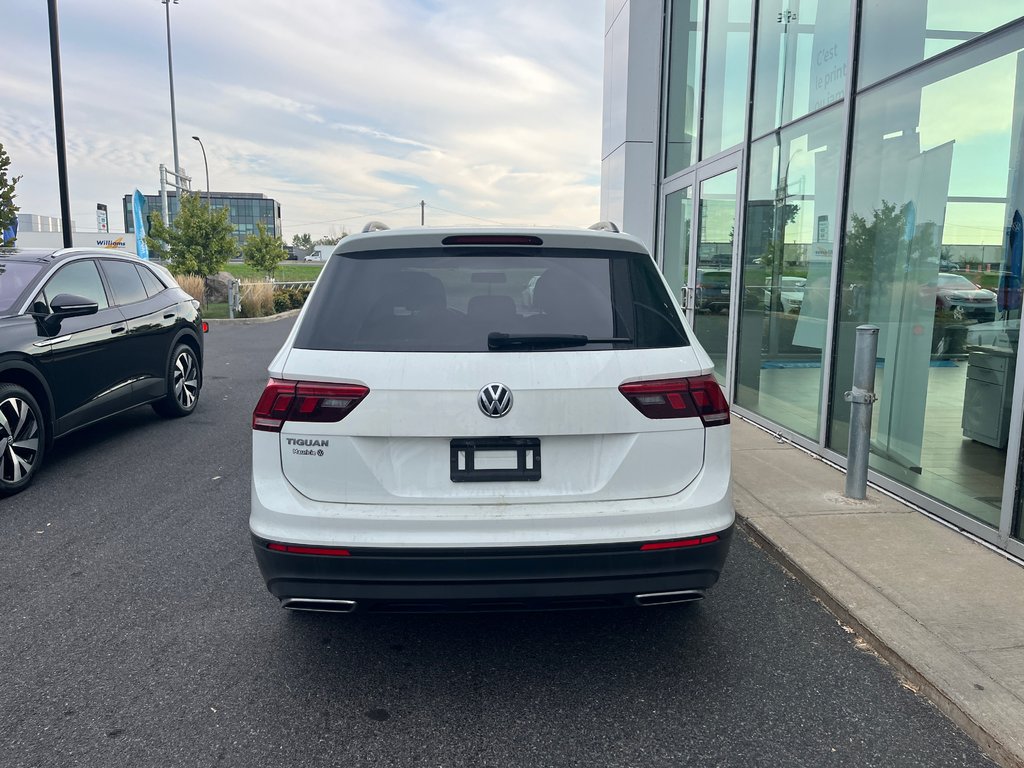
(19, 439)
(186, 379)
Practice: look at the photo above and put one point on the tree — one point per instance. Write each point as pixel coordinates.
(330, 239)
(8, 210)
(263, 251)
(303, 241)
(198, 242)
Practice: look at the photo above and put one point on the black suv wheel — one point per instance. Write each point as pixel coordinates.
(183, 384)
(22, 438)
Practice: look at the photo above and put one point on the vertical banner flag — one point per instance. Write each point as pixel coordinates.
(101, 218)
(140, 226)
(9, 233)
(1009, 291)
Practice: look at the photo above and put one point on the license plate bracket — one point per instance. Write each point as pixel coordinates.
(495, 459)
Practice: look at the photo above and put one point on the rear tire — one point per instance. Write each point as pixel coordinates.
(183, 384)
(22, 438)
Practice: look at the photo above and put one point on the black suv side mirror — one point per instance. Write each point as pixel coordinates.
(69, 305)
(63, 306)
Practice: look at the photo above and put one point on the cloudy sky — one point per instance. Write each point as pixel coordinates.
(490, 111)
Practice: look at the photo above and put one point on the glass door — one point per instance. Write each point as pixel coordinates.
(697, 254)
(676, 242)
(713, 297)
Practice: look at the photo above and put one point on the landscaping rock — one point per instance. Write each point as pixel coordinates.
(217, 287)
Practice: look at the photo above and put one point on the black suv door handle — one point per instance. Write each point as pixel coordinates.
(118, 329)
(168, 316)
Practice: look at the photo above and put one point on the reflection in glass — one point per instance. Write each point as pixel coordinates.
(946, 298)
(678, 218)
(716, 229)
(684, 62)
(802, 52)
(897, 35)
(726, 73)
(787, 267)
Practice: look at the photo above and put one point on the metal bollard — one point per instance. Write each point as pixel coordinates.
(862, 400)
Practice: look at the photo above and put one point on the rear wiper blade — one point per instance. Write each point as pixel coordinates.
(497, 340)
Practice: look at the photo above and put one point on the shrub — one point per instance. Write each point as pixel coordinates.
(257, 299)
(290, 298)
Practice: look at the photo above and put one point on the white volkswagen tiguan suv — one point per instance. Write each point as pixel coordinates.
(490, 420)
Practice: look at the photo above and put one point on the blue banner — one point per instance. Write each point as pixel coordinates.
(140, 226)
(10, 233)
(1009, 291)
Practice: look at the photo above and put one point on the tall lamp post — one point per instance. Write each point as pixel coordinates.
(58, 121)
(170, 76)
(207, 167)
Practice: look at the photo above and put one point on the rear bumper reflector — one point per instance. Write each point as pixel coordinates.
(678, 543)
(293, 549)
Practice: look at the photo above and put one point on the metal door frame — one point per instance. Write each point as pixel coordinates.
(693, 177)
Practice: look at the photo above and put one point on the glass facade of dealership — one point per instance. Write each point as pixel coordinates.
(245, 211)
(817, 166)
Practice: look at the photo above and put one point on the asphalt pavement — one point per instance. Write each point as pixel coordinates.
(138, 632)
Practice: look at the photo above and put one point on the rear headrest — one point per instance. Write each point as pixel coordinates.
(553, 288)
(417, 291)
(491, 306)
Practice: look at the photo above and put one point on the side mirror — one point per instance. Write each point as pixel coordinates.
(69, 305)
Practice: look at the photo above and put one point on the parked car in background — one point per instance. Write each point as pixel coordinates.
(963, 299)
(790, 294)
(711, 292)
(85, 335)
(481, 419)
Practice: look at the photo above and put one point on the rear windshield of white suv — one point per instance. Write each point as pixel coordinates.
(479, 300)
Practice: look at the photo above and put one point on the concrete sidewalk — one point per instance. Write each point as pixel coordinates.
(945, 611)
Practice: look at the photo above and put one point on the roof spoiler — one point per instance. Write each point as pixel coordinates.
(375, 226)
(604, 226)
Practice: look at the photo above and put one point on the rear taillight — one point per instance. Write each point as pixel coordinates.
(307, 401)
(679, 399)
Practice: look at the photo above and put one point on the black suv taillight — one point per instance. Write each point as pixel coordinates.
(283, 401)
(679, 399)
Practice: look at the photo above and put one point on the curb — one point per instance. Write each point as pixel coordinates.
(992, 747)
(253, 320)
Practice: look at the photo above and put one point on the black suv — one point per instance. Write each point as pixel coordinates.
(85, 335)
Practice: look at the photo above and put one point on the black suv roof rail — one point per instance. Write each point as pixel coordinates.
(375, 226)
(604, 226)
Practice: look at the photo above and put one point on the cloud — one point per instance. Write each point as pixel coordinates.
(267, 100)
(334, 109)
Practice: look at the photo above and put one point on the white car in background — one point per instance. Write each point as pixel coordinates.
(791, 294)
(480, 419)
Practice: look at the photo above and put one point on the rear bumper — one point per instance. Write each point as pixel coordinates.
(478, 579)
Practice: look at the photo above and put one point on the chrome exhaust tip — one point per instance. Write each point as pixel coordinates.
(318, 604)
(669, 598)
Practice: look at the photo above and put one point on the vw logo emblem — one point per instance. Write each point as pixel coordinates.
(495, 400)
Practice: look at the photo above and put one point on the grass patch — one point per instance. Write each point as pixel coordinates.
(218, 311)
(285, 273)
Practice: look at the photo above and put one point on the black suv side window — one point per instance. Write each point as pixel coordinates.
(151, 281)
(124, 281)
(80, 278)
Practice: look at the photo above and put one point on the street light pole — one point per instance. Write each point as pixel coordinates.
(170, 76)
(58, 121)
(205, 165)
